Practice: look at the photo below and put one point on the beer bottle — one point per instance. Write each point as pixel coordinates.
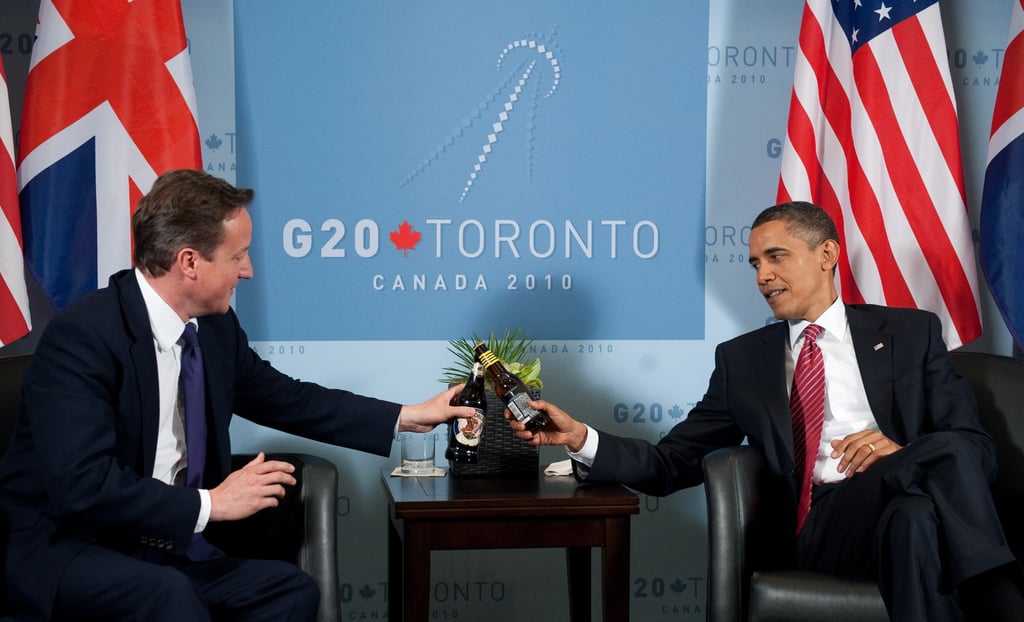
(464, 434)
(511, 389)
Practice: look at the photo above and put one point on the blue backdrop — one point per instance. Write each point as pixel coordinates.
(448, 168)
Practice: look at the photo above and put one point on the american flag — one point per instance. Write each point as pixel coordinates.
(872, 138)
(1002, 203)
(15, 321)
(109, 105)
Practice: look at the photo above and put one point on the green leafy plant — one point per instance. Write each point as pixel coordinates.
(511, 347)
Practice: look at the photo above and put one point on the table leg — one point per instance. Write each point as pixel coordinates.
(577, 564)
(416, 572)
(395, 574)
(615, 569)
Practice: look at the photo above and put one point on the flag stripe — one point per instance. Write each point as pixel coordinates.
(911, 190)
(933, 92)
(1010, 96)
(856, 145)
(803, 135)
(15, 321)
(1002, 212)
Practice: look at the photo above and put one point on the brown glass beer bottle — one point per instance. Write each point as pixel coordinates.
(464, 434)
(511, 389)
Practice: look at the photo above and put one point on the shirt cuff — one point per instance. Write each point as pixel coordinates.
(205, 506)
(586, 454)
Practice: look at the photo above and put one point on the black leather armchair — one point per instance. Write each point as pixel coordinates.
(302, 529)
(750, 570)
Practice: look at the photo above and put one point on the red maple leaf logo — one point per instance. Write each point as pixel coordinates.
(405, 239)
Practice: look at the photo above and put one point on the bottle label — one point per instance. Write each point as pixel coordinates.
(519, 408)
(469, 430)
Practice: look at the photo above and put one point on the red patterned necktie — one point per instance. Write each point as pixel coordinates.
(807, 405)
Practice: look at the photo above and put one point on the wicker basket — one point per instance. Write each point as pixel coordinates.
(501, 453)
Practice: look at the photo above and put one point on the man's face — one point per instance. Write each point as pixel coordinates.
(217, 277)
(795, 279)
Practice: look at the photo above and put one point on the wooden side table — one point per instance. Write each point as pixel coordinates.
(434, 514)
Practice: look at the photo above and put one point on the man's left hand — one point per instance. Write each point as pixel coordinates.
(860, 450)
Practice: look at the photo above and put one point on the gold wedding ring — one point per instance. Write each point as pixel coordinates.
(871, 446)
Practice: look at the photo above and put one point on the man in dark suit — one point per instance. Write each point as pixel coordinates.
(898, 483)
(101, 527)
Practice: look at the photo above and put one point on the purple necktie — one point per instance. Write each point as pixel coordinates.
(807, 406)
(193, 389)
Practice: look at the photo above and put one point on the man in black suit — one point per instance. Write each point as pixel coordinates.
(900, 480)
(100, 526)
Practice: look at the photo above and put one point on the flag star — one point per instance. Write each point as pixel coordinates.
(856, 4)
(883, 12)
(853, 37)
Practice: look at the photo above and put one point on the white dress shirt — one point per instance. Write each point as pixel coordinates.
(846, 403)
(171, 453)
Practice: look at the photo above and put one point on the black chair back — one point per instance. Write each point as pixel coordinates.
(998, 384)
(12, 372)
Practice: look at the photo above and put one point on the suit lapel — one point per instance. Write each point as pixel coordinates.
(143, 360)
(773, 383)
(874, 348)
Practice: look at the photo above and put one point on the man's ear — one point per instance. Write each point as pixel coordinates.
(186, 261)
(829, 255)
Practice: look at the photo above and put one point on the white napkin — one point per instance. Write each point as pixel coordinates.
(559, 468)
(437, 472)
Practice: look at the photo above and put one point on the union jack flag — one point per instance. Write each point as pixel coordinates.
(872, 138)
(1002, 203)
(109, 106)
(15, 321)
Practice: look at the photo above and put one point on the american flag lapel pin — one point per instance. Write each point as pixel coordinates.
(879, 346)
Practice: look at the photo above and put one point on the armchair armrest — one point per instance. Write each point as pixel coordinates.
(744, 531)
(302, 529)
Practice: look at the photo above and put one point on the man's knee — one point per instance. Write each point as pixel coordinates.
(309, 593)
(160, 594)
(287, 589)
(905, 514)
(172, 587)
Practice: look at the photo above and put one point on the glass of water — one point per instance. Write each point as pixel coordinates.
(418, 452)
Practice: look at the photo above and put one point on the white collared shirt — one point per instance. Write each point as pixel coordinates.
(846, 402)
(171, 453)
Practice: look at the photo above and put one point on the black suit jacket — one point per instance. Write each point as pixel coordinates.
(908, 377)
(79, 467)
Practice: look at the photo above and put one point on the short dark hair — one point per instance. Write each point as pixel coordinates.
(184, 208)
(804, 220)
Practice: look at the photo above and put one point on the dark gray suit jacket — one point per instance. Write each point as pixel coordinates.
(79, 468)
